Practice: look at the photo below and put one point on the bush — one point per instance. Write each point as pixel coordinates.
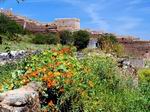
(10, 27)
(144, 75)
(107, 42)
(81, 39)
(45, 39)
(118, 49)
(66, 37)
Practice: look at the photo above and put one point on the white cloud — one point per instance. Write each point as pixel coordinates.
(96, 18)
(92, 9)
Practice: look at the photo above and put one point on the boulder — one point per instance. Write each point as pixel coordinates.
(24, 99)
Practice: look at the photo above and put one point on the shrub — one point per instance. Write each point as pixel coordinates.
(81, 39)
(9, 27)
(144, 75)
(107, 41)
(45, 39)
(66, 37)
(118, 49)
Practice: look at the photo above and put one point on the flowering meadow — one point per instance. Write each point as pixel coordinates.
(91, 84)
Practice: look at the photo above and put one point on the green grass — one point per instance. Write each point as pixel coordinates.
(6, 72)
(24, 44)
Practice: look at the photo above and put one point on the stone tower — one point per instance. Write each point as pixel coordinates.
(71, 24)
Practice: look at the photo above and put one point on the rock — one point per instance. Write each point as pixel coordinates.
(25, 99)
(13, 56)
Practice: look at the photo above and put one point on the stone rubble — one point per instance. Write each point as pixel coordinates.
(15, 55)
(24, 99)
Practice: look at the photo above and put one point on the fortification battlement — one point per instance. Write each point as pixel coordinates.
(67, 19)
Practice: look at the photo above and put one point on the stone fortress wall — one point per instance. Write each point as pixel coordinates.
(71, 24)
(60, 24)
(136, 47)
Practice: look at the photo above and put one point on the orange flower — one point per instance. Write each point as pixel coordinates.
(44, 69)
(34, 74)
(58, 63)
(49, 84)
(50, 103)
(54, 82)
(57, 74)
(44, 78)
(50, 75)
(67, 75)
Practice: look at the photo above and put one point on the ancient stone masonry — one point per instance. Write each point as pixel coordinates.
(71, 24)
(136, 47)
(67, 24)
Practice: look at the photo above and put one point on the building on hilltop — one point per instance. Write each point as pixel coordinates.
(71, 24)
(60, 24)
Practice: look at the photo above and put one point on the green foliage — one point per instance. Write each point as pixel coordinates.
(110, 92)
(144, 75)
(118, 49)
(9, 27)
(109, 44)
(46, 39)
(5, 72)
(81, 39)
(93, 84)
(66, 37)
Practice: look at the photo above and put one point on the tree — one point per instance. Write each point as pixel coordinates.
(107, 42)
(81, 39)
(66, 37)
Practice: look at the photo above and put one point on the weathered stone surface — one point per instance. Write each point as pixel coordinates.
(25, 99)
(13, 56)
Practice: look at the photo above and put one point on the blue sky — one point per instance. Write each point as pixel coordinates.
(124, 17)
